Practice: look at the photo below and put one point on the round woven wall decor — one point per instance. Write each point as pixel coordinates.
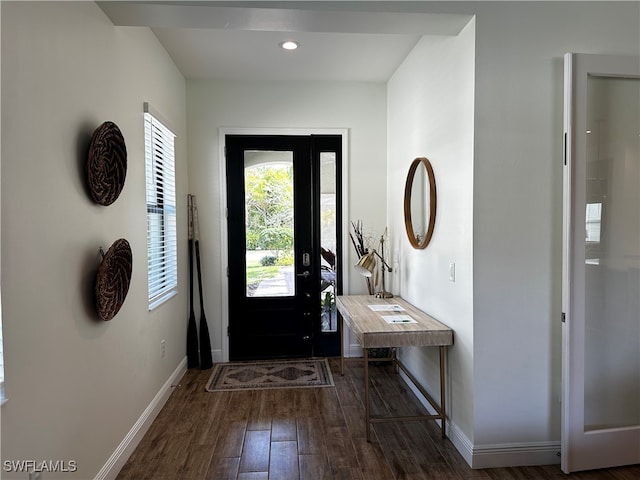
(107, 163)
(113, 279)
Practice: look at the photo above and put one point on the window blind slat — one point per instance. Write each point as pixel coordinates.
(161, 211)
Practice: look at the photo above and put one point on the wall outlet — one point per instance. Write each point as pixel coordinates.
(163, 345)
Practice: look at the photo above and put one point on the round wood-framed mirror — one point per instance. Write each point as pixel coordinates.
(420, 201)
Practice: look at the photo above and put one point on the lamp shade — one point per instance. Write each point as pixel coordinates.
(366, 265)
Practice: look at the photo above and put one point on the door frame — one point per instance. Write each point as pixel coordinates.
(224, 246)
(576, 69)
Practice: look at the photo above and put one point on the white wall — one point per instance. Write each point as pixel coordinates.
(518, 205)
(430, 100)
(517, 213)
(76, 385)
(211, 105)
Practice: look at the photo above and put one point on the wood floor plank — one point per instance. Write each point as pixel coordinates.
(283, 429)
(196, 462)
(312, 466)
(173, 457)
(415, 434)
(203, 423)
(395, 394)
(223, 468)
(305, 403)
(150, 446)
(436, 471)
(356, 424)
(378, 406)
(282, 403)
(372, 461)
(253, 476)
(340, 450)
(346, 390)
(240, 403)
(255, 452)
(230, 439)
(329, 407)
(346, 473)
(259, 417)
(396, 450)
(283, 463)
(626, 473)
(523, 473)
(310, 436)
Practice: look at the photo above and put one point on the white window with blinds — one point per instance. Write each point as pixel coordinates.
(161, 210)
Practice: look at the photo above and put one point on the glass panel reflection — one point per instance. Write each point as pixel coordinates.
(328, 241)
(420, 202)
(268, 182)
(612, 255)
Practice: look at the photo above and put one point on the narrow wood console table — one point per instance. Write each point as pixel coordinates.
(383, 322)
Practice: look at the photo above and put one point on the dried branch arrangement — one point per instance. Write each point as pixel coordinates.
(359, 244)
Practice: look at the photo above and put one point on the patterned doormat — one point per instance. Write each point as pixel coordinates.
(270, 374)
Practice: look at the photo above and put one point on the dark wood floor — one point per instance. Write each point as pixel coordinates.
(309, 434)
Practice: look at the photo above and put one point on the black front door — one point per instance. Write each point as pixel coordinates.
(282, 268)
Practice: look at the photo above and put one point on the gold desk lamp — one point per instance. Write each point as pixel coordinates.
(367, 264)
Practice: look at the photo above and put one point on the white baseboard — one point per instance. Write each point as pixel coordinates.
(216, 355)
(516, 455)
(117, 460)
(354, 350)
(460, 441)
(494, 456)
(504, 455)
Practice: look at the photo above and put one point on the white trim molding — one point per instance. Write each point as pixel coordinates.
(122, 453)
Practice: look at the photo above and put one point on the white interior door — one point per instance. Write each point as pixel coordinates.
(601, 263)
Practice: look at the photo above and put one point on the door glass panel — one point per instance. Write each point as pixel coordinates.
(612, 254)
(328, 241)
(269, 232)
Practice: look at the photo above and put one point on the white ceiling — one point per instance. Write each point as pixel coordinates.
(339, 41)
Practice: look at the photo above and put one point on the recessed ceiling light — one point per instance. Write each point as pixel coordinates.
(289, 45)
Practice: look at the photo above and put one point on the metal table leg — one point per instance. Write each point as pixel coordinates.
(443, 353)
(367, 413)
(341, 327)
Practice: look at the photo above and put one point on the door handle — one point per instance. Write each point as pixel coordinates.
(304, 274)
